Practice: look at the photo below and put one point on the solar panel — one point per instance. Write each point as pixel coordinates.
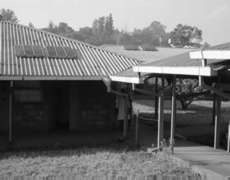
(51, 52)
(28, 51)
(71, 53)
(60, 52)
(38, 51)
(19, 51)
(35, 51)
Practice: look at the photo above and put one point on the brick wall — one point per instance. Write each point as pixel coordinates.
(91, 105)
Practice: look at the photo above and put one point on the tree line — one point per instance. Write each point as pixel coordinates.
(102, 31)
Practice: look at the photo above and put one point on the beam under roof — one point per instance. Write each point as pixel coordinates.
(176, 70)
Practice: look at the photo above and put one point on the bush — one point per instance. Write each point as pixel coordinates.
(130, 47)
(149, 47)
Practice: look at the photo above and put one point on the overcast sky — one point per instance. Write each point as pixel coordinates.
(212, 16)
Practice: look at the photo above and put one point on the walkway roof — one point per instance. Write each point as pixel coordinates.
(180, 64)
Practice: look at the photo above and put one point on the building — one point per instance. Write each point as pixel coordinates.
(51, 83)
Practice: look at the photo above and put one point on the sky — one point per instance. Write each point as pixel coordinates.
(211, 16)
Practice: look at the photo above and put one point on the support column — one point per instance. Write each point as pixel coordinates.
(173, 114)
(160, 135)
(125, 124)
(217, 122)
(137, 130)
(228, 138)
(11, 112)
(156, 97)
(213, 109)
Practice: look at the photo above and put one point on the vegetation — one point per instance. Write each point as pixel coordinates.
(8, 15)
(103, 31)
(187, 90)
(148, 47)
(88, 162)
(132, 47)
(184, 35)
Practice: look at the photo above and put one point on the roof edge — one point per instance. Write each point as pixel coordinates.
(177, 70)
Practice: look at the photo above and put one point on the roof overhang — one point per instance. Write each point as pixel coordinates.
(126, 79)
(177, 70)
(210, 54)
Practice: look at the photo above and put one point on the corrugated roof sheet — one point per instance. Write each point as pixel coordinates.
(181, 60)
(93, 63)
(148, 56)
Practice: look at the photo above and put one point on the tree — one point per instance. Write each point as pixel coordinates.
(103, 30)
(64, 29)
(84, 34)
(184, 35)
(51, 28)
(31, 25)
(8, 15)
(152, 35)
(128, 39)
(109, 29)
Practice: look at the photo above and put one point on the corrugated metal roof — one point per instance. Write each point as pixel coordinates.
(93, 63)
(181, 60)
(148, 56)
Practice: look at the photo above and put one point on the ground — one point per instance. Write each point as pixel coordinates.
(114, 158)
(195, 123)
(88, 162)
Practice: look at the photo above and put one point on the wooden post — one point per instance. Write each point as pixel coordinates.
(156, 97)
(10, 112)
(160, 135)
(125, 123)
(228, 138)
(213, 109)
(173, 113)
(217, 123)
(137, 129)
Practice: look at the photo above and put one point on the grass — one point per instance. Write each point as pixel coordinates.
(114, 160)
(88, 162)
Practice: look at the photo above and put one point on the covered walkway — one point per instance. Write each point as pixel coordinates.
(211, 68)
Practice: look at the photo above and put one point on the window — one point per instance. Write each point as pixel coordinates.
(28, 96)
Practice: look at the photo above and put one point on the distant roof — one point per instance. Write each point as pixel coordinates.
(91, 62)
(179, 65)
(219, 53)
(147, 56)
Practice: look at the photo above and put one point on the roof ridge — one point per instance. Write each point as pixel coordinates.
(73, 40)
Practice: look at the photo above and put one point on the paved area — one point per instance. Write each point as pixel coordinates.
(214, 163)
